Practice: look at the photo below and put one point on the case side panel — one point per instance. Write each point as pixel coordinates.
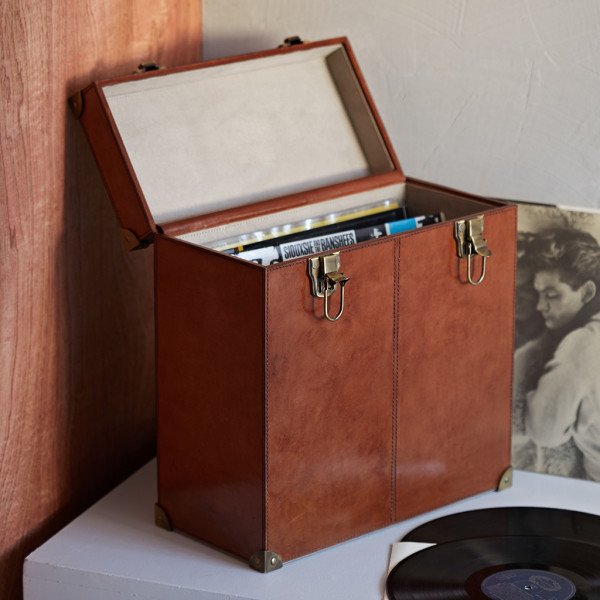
(359, 112)
(209, 311)
(374, 111)
(330, 394)
(455, 373)
(114, 166)
(427, 198)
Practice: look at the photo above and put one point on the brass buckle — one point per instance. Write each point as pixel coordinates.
(324, 274)
(470, 243)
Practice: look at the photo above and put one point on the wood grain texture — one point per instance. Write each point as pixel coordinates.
(77, 400)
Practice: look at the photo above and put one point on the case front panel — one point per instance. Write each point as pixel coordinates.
(455, 366)
(330, 397)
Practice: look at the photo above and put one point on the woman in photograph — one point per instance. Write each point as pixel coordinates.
(557, 374)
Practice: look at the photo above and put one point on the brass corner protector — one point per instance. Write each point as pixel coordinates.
(265, 561)
(76, 104)
(161, 518)
(506, 480)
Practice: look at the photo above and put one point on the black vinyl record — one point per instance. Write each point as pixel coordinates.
(553, 522)
(499, 568)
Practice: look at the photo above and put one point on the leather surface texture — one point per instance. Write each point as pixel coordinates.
(209, 333)
(329, 404)
(455, 341)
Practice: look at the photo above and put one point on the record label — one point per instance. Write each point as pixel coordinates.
(523, 584)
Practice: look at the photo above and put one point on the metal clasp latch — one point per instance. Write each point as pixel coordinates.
(470, 242)
(324, 273)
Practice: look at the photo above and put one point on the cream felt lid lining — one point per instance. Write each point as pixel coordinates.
(213, 138)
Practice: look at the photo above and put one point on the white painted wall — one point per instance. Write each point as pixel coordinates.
(497, 97)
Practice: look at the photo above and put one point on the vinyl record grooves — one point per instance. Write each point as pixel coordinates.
(499, 568)
(558, 523)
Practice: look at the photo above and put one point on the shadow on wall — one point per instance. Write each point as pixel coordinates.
(222, 47)
(105, 310)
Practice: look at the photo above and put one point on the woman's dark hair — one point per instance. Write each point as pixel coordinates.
(574, 254)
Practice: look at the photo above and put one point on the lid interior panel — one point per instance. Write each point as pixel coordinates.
(209, 139)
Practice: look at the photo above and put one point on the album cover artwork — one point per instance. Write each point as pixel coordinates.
(556, 399)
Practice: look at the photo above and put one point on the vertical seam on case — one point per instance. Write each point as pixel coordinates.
(395, 383)
(514, 310)
(156, 363)
(266, 418)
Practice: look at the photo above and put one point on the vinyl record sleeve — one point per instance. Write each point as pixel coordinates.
(517, 520)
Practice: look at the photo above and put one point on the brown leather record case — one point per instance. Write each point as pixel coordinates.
(285, 424)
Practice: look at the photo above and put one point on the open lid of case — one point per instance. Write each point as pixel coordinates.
(188, 147)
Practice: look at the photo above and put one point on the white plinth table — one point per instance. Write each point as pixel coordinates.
(114, 551)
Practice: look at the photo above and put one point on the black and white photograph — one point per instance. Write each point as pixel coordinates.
(556, 403)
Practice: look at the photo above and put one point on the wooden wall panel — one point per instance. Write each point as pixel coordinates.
(76, 310)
